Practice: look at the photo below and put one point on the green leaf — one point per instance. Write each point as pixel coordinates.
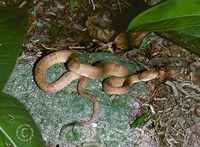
(139, 120)
(54, 31)
(13, 28)
(17, 128)
(188, 38)
(167, 15)
(73, 3)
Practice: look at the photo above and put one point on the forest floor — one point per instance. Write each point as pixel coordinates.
(87, 26)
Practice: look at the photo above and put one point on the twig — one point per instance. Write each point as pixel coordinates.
(93, 5)
(119, 6)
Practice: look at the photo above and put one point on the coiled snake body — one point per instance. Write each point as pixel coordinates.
(120, 82)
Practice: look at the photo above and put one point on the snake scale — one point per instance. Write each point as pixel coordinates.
(119, 83)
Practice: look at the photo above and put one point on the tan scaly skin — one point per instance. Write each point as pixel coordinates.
(120, 82)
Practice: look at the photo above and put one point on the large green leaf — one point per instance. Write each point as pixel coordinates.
(17, 128)
(13, 28)
(188, 37)
(167, 15)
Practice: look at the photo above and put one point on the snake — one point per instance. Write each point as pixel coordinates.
(120, 82)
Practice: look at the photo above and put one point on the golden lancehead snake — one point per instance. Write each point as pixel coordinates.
(120, 82)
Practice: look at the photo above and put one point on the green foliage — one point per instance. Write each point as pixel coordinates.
(188, 37)
(54, 31)
(168, 15)
(17, 128)
(73, 3)
(139, 120)
(176, 20)
(13, 26)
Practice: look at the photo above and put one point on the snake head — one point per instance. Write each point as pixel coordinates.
(148, 75)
